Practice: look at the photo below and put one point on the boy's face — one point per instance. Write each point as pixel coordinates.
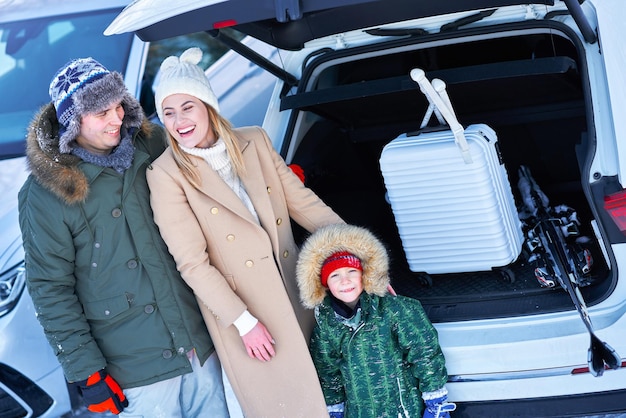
(346, 284)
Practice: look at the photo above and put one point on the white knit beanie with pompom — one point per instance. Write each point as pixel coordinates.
(183, 76)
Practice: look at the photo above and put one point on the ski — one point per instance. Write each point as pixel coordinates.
(547, 241)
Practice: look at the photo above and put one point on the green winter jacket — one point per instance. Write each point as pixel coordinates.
(105, 287)
(378, 365)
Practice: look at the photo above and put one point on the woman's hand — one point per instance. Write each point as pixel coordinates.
(259, 343)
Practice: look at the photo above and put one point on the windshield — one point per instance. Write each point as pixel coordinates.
(31, 51)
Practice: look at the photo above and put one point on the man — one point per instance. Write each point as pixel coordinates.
(121, 321)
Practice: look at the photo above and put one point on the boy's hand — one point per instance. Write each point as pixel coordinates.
(335, 411)
(437, 405)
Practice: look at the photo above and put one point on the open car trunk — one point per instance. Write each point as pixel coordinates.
(528, 83)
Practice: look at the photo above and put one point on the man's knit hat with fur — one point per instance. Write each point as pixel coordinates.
(84, 86)
(336, 238)
(183, 76)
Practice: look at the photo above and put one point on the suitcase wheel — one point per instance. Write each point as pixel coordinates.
(506, 273)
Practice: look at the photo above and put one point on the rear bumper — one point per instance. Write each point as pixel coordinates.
(611, 402)
(565, 395)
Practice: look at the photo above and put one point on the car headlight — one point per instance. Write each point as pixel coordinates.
(12, 282)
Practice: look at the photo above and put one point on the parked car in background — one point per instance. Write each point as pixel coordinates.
(36, 38)
(547, 76)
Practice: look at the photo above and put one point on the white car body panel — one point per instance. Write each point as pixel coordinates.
(612, 14)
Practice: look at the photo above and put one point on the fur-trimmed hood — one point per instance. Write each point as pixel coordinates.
(341, 237)
(59, 172)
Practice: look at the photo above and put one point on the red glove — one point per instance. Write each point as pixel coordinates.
(298, 171)
(102, 394)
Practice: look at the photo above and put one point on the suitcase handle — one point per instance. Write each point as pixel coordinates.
(438, 97)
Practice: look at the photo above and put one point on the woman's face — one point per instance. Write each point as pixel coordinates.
(186, 118)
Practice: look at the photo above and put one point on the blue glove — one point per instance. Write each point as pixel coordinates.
(437, 405)
(335, 411)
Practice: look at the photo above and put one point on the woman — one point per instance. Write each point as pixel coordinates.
(223, 199)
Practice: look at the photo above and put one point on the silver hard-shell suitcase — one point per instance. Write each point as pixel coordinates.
(450, 195)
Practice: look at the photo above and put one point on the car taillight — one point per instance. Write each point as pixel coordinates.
(615, 205)
(11, 286)
(581, 370)
(224, 24)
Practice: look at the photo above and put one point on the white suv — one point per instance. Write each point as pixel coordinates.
(547, 77)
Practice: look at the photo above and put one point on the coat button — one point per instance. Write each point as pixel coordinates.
(214, 211)
(107, 312)
(285, 254)
(279, 221)
(132, 264)
(167, 353)
(148, 309)
(269, 190)
(97, 245)
(94, 265)
(230, 237)
(116, 213)
(181, 350)
(249, 263)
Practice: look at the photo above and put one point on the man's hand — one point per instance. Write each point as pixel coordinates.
(102, 394)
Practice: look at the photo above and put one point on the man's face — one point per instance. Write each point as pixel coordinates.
(100, 132)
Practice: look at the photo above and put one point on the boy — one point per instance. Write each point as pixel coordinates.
(376, 355)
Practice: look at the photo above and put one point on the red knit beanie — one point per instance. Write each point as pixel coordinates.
(338, 260)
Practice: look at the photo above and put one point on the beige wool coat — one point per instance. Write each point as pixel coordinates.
(232, 264)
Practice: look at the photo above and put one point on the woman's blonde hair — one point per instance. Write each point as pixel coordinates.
(222, 128)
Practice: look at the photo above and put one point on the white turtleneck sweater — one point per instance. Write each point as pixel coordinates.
(219, 160)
